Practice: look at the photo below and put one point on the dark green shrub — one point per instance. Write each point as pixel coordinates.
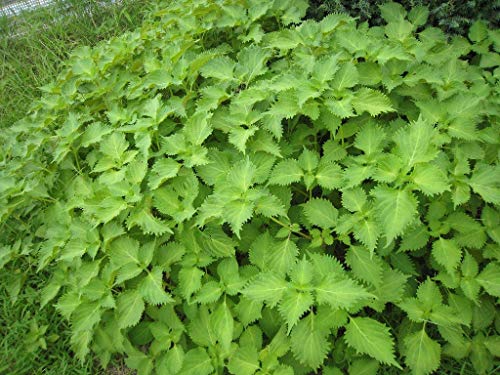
(454, 17)
(229, 189)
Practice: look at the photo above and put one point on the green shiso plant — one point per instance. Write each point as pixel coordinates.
(230, 189)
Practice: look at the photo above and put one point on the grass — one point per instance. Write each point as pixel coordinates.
(34, 341)
(34, 44)
(33, 47)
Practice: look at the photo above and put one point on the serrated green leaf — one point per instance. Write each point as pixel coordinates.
(354, 199)
(197, 128)
(270, 206)
(430, 179)
(447, 253)
(423, 354)
(347, 76)
(371, 337)
(162, 170)
(492, 343)
(237, 213)
(283, 256)
(152, 289)
(251, 63)
(189, 281)
(414, 143)
(171, 362)
(429, 295)
(485, 181)
(80, 341)
(124, 250)
(266, 287)
(371, 101)
(200, 328)
(209, 292)
(418, 15)
(341, 108)
(396, 209)
(339, 293)
(196, 362)
(391, 289)
(489, 278)
(365, 265)
(245, 361)
(308, 160)
(218, 243)
(398, 30)
(325, 68)
(114, 146)
(478, 31)
(242, 175)
(320, 212)
(127, 272)
(309, 343)
(367, 232)
(221, 68)
(370, 138)
(249, 310)
(94, 133)
(414, 238)
(392, 12)
(302, 273)
(223, 322)
(470, 231)
(286, 172)
(240, 136)
(293, 305)
(85, 317)
(329, 176)
(129, 308)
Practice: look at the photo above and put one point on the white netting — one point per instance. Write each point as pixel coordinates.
(13, 7)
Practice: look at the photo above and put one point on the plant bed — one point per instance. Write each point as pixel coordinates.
(232, 189)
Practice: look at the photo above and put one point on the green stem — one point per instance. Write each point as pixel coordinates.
(77, 161)
(301, 192)
(291, 230)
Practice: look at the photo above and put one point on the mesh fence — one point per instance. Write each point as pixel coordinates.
(14, 7)
(12, 12)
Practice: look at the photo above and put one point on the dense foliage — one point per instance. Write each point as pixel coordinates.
(454, 17)
(231, 189)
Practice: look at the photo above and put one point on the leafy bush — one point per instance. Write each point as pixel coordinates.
(454, 17)
(231, 188)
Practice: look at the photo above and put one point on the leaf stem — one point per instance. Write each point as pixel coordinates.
(291, 230)
(301, 192)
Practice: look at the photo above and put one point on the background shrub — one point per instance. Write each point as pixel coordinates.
(454, 17)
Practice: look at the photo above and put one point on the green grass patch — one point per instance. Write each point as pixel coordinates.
(33, 340)
(34, 45)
